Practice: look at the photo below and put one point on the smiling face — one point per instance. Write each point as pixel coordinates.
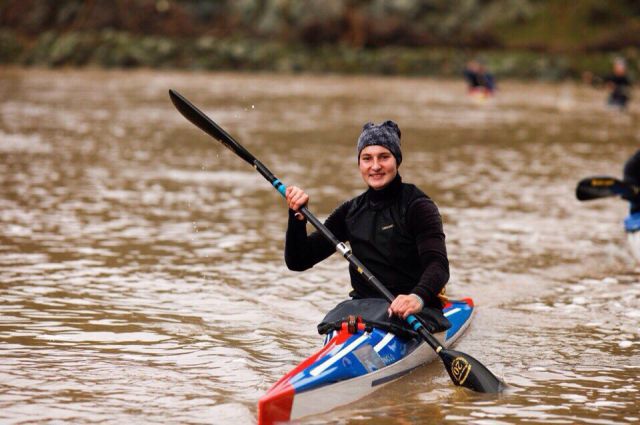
(378, 166)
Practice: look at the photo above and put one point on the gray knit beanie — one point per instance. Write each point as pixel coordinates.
(386, 135)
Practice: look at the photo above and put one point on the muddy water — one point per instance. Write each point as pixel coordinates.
(141, 271)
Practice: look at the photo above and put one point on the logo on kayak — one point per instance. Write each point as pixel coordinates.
(460, 369)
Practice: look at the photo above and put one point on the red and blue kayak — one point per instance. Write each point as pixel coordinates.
(354, 362)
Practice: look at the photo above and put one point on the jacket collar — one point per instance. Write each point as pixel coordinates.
(378, 197)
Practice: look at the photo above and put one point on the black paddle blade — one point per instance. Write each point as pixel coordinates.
(604, 186)
(204, 123)
(468, 372)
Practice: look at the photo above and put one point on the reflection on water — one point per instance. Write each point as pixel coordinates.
(141, 272)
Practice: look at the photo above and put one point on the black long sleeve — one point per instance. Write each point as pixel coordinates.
(631, 174)
(631, 171)
(425, 221)
(303, 251)
(422, 269)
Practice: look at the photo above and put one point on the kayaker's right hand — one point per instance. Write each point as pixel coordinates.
(404, 305)
(296, 199)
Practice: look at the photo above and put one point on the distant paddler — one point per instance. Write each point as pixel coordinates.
(481, 83)
(618, 84)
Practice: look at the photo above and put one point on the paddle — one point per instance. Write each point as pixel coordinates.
(604, 186)
(463, 369)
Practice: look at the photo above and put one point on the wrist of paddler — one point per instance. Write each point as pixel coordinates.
(297, 215)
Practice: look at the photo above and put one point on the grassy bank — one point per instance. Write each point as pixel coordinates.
(117, 49)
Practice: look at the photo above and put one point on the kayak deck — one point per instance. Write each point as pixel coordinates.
(352, 365)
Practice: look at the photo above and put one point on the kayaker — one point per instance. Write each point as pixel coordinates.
(631, 174)
(393, 228)
(478, 78)
(619, 85)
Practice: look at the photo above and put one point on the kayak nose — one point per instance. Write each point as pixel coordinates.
(275, 406)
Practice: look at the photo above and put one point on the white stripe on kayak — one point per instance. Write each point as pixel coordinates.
(324, 366)
(379, 346)
(450, 312)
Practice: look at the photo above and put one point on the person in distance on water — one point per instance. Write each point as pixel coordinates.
(619, 85)
(631, 174)
(392, 227)
(479, 80)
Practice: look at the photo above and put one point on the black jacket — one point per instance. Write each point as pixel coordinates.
(397, 234)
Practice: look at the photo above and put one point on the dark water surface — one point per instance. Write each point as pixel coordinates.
(141, 271)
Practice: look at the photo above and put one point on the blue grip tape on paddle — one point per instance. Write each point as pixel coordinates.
(280, 187)
(415, 324)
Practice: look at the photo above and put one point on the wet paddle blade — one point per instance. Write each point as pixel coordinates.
(604, 186)
(204, 123)
(468, 372)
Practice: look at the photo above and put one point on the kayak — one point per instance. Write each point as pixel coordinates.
(632, 228)
(480, 94)
(355, 361)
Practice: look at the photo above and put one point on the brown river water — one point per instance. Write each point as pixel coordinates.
(141, 269)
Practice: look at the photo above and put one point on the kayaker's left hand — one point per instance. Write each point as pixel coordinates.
(404, 305)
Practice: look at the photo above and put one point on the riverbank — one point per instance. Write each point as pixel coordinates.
(117, 49)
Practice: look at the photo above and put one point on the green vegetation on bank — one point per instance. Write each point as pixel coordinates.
(111, 49)
(550, 40)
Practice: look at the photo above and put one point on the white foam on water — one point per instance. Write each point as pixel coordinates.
(27, 143)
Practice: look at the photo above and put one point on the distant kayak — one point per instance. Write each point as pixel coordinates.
(480, 94)
(356, 360)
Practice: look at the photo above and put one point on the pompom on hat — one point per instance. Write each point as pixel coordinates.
(386, 135)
